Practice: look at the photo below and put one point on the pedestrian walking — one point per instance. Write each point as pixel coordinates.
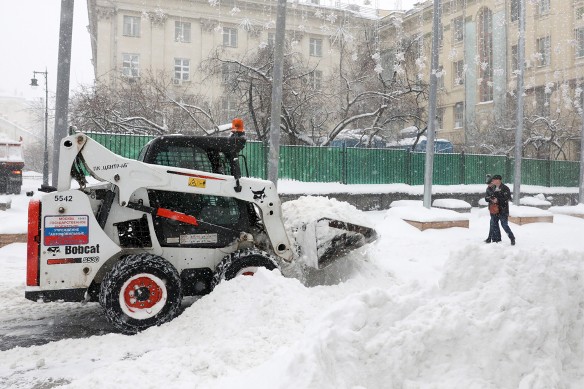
(498, 196)
(489, 183)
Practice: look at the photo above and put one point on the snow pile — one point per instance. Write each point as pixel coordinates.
(496, 321)
(312, 208)
(523, 211)
(569, 210)
(406, 203)
(535, 201)
(451, 204)
(313, 236)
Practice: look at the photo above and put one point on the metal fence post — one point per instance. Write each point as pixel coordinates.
(408, 176)
(549, 173)
(508, 168)
(344, 164)
(462, 169)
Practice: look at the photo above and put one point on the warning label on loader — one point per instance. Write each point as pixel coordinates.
(66, 230)
(197, 182)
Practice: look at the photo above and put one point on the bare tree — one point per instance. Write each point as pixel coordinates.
(315, 110)
(151, 104)
(546, 135)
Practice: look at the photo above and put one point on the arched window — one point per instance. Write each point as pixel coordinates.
(485, 47)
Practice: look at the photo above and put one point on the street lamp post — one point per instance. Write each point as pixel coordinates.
(34, 83)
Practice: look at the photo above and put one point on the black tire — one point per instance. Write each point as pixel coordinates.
(140, 291)
(243, 262)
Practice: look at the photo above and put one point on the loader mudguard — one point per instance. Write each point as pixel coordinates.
(66, 295)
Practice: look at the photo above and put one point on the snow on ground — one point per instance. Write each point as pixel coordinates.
(297, 187)
(431, 309)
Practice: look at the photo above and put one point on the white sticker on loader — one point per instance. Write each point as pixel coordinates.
(198, 238)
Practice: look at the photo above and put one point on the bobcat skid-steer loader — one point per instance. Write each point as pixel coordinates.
(173, 223)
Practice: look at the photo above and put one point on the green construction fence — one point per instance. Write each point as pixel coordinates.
(376, 166)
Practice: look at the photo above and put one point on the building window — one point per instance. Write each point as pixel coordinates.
(315, 79)
(440, 77)
(181, 69)
(228, 73)
(131, 26)
(458, 73)
(485, 45)
(542, 104)
(131, 65)
(458, 29)
(182, 31)
(228, 109)
(580, 42)
(515, 10)
(514, 60)
(229, 37)
(543, 7)
(544, 51)
(458, 115)
(439, 118)
(315, 47)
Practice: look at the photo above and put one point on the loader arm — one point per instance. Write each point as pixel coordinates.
(129, 175)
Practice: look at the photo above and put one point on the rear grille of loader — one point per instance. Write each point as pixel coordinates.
(134, 233)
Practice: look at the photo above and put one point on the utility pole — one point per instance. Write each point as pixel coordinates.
(429, 166)
(581, 192)
(519, 128)
(63, 74)
(274, 145)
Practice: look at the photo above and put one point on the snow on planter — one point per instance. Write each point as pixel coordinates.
(433, 218)
(570, 210)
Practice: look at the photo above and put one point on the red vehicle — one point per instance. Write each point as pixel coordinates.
(11, 164)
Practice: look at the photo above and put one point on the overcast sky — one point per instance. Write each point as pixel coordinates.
(29, 35)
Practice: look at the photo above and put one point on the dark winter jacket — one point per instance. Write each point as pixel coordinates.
(503, 196)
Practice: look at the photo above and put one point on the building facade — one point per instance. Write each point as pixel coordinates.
(131, 37)
(478, 52)
(479, 63)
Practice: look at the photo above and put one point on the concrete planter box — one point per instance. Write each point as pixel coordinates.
(422, 226)
(520, 220)
(6, 239)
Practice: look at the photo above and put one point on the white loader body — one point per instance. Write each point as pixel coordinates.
(150, 233)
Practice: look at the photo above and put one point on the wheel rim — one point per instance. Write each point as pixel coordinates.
(247, 271)
(143, 296)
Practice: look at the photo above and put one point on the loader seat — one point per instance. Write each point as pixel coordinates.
(222, 213)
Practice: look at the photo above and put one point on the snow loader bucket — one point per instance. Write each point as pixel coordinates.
(324, 241)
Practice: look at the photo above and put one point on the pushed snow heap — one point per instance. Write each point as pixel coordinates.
(325, 229)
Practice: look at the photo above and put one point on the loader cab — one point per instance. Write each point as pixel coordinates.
(222, 217)
(209, 154)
